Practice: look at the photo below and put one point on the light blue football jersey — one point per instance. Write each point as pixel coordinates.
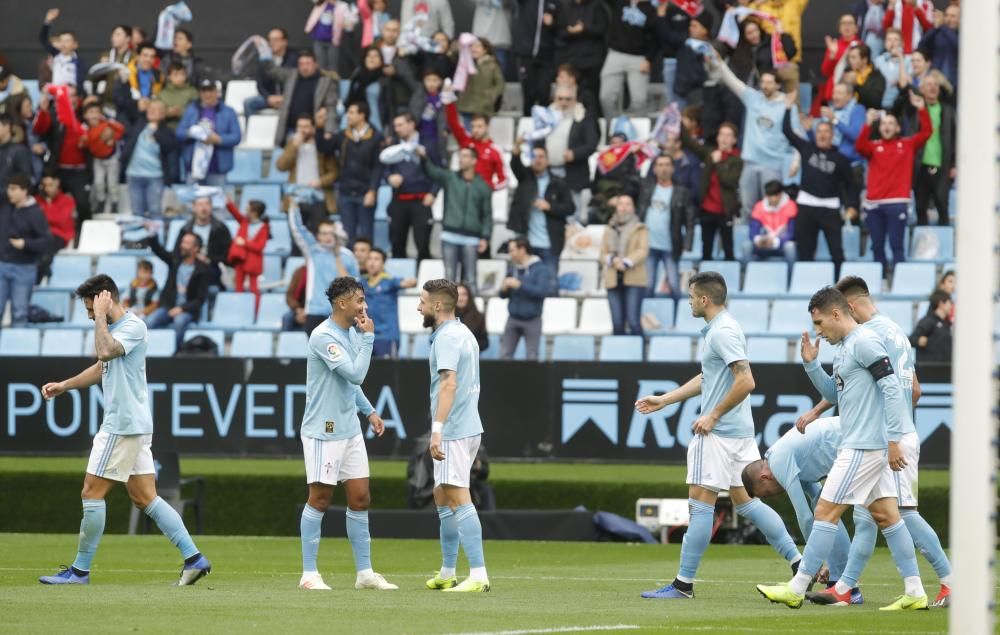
(724, 344)
(336, 365)
(903, 361)
(865, 388)
(126, 396)
(454, 347)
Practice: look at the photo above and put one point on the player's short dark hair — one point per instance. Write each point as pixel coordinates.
(750, 474)
(827, 299)
(772, 188)
(445, 288)
(711, 284)
(938, 298)
(362, 239)
(22, 181)
(362, 107)
(381, 252)
(144, 265)
(342, 286)
(853, 285)
(96, 284)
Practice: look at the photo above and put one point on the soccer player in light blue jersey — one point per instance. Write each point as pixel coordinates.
(340, 350)
(456, 433)
(867, 390)
(121, 451)
(796, 464)
(724, 436)
(925, 539)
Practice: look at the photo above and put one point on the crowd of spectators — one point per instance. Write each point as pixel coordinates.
(402, 101)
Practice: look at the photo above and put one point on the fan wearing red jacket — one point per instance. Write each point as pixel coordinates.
(58, 208)
(101, 142)
(834, 61)
(246, 254)
(490, 164)
(912, 17)
(890, 177)
(62, 133)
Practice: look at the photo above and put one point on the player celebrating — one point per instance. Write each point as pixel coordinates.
(724, 436)
(796, 464)
(456, 432)
(332, 442)
(872, 407)
(121, 451)
(925, 539)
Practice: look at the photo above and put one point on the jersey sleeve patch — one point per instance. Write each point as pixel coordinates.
(333, 352)
(881, 368)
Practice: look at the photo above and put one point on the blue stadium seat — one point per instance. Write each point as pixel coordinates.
(270, 194)
(162, 343)
(789, 318)
(383, 196)
(421, 347)
(272, 309)
(401, 267)
(870, 272)
(521, 350)
(767, 350)
(248, 167)
(120, 268)
(280, 240)
(851, 237)
(914, 280)
(173, 233)
(233, 311)
(900, 312)
(694, 255)
(741, 238)
(79, 317)
(620, 348)
(20, 342)
(687, 324)
(669, 348)
(251, 344)
(810, 277)
(573, 348)
(232, 225)
(822, 248)
(663, 310)
(765, 279)
(933, 243)
(751, 314)
(55, 302)
(272, 270)
(292, 344)
(805, 96)
(403, 352)
(381, 234)
(274, 175)
(216, 336)
(492, 351)
(68, 271)
(160, 271)
(62, 343)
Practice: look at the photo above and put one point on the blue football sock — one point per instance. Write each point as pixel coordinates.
(361, 540)
(310, 528)
(926, 540)
(172, 526)
(470, 533)
(865, 534)
(449, 538)
(837, 560)
(901, 545)
(696, 538)
(770, 524)
(91, 530)
(818, 547)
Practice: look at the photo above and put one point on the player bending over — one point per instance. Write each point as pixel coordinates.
(724, 436)
(872, 406)
(456, 432)
(121, 451)
(340, 349)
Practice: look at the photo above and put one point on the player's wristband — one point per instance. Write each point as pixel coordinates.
(437, 427)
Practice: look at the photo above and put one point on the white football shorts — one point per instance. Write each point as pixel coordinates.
(332, 462)
(906, 479)
(456, 468)
(859, 477)
(716, 463)
(118, 456)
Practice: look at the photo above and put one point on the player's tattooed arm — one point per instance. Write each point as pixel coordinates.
(108, 348)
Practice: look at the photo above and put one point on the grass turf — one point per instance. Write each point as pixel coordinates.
(536, 586)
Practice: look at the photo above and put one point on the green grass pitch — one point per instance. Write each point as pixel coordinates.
(537, 588)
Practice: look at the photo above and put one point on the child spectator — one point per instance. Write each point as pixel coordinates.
(67, 67)
(143, 291)
(101, 141)
(772, 225)
(246, 254)
(381, 294)
(319, 26)
(176, 94)
(429, 111)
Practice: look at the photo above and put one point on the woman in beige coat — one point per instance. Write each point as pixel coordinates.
(624, 250)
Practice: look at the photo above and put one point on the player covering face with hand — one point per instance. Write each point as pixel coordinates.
(340, 351)
(122, 447)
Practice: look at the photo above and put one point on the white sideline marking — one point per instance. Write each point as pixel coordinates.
(564, 629)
